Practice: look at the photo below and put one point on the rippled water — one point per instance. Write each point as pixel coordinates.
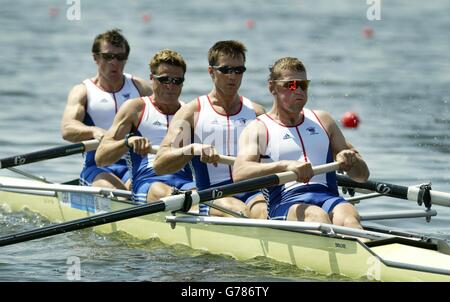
(397, 81)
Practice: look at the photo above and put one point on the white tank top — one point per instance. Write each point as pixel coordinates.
(306, 142)
(221, 131)
(102, 106)
(153, 125)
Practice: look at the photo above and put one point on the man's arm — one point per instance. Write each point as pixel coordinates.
(112, 146)
(72, 127)
(251, 143)
(177, 148)
(143, 86)
(343, 151)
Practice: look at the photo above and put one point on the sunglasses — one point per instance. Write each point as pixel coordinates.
(107, 56)
(228, 69)
(293, 85)
(169, 80)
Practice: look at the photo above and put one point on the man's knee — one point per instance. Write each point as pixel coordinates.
(258, 210)
(316, 214)
(158, 190)
(231, 204)
(108, 180)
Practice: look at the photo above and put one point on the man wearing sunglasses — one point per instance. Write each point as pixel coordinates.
(92, 105)
(142, 122)
(210, 125)
(291, 137)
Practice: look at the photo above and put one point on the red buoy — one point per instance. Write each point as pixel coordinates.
(350, 120)
(53, 11)
(368, 32)
(146, 17)
(249, 23)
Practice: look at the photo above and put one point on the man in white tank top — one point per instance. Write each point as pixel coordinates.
(210, 125)
(293, 138)
(144, 121)
(92, 105)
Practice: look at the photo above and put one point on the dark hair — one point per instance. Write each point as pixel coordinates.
(231, 48)
(287, 63)
(114, 37)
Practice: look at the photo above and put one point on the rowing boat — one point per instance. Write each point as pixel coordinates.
(370, 254)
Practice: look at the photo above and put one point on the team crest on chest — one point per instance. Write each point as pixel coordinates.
(312, 130)
(241, 121)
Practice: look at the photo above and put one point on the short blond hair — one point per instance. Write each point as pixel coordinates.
(286, 63)
(167, 56)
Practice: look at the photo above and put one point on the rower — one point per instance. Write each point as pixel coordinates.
(215, 121)
(142, 122)
(92, 105)
(292, 138)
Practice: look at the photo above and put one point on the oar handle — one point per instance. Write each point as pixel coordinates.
(90, 145)
(288, 176)
(227, 160)
(223, 159)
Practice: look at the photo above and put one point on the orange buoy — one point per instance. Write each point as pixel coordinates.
(350, 120)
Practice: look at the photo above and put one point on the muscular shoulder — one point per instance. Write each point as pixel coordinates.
(132, 106)
(143, 86)
(187, 112)
(259, 109)
(190, 108)
(325, 118)
(130, 111)
(78, 94)
(257, 126)
(331, 127)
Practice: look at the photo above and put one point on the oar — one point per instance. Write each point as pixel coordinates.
(223, 159)
(72, 187)
(84, 146)
(107, 192)
(413, 193)
(170, 203)
(22, 159)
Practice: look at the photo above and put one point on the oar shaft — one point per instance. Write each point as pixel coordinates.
(5, 185)
(36, 156)
(83, 223)
(397, 191)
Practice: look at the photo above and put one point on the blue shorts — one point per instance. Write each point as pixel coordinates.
(142, 185)
(88, 174)
(326, 200)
